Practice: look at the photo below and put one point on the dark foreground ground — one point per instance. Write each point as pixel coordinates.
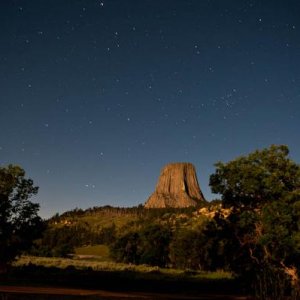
(36, 282)
(41, 293)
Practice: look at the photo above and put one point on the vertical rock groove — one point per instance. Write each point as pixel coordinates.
(177, 186)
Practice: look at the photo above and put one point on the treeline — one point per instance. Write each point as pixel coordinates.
(108, 210)
(62, 241)
(65, 232)
(162, 244)
(96, 210)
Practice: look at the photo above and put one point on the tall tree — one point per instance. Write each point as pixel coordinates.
(263, 190)
(19, 220)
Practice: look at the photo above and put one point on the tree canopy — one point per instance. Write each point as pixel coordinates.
(263, 188)
(259, 177)
(19, 220)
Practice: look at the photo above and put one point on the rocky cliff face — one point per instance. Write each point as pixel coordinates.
(177, 187)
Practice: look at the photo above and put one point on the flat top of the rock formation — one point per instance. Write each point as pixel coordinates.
(178, 164)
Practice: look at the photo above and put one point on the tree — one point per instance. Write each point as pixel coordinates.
(198, 248)
(260, 177)
(19, 220)
(154, 245)
(146, 245)
(263, 244)
(125, 248)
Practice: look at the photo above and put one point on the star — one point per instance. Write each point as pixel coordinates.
(96, 80)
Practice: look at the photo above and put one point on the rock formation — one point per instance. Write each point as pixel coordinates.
(177, 187)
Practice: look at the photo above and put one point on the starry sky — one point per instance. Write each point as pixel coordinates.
(97, 96)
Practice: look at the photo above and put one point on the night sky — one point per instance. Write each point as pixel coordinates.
(97, 96)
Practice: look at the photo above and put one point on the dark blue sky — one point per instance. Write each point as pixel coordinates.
(96, 96)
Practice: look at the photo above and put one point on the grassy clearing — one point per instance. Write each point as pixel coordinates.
(82, 264)
(98, 251)
(88, 274)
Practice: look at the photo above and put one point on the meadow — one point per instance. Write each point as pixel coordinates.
(109, 266)
(73, 279)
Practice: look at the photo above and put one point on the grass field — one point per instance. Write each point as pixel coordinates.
(96, 252)
(96, 265)
(110, 276)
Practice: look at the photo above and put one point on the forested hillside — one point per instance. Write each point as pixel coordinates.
(103, 225)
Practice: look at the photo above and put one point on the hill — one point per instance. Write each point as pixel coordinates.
(102, 225)
(97, 217)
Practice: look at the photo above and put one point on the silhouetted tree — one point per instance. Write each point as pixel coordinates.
(263, 240)
(154, 245)
(19, 220)
(147, 245)
(125, 248)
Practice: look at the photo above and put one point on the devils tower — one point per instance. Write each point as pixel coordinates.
(177, 187)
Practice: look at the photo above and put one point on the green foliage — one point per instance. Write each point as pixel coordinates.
(19, 220)
(198, 248)
(262, 232)
(252, 180)
(61, 241)
(168, 237)
(154, 245)
(106, 235)
(107, 225)
(134, 235)
(187, 249)
(149, 245)
(98, 217)
(125, 248)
